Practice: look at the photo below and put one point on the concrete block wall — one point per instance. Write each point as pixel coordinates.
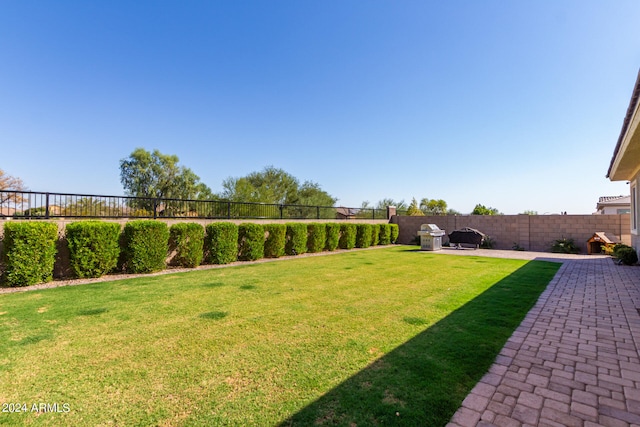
(532, 232)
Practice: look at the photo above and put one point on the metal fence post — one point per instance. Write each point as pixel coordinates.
(46, 209)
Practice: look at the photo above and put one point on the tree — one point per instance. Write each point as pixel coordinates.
(413, 209)
(311, 194)
(400, 205)
(275, 186)
(158, 176)
(483, 210)
(530, 212)
(10, 183)
(433, 206)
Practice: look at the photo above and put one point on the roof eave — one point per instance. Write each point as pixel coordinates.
(631, 109)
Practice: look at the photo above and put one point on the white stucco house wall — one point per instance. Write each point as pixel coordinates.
(625, 162)
(613, 205)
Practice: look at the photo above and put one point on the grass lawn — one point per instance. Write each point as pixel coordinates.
(386, 336)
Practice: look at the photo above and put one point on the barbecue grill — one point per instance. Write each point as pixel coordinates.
(430, 237)
(466, 236)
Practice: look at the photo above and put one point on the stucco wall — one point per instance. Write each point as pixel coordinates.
(532, 232)
(635, 239)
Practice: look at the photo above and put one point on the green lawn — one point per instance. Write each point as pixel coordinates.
(385, 336)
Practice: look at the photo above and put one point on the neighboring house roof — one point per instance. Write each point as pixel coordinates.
(614, 200)
(347, 211)
(613, 204)
(6, 211)
(625, 162)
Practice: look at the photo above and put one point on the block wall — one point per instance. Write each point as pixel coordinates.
(532, 232)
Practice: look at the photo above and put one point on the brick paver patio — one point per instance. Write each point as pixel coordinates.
(574, 360)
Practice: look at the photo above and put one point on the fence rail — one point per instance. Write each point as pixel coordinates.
(35, 205)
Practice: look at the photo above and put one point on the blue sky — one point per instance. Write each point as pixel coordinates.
(516, 105)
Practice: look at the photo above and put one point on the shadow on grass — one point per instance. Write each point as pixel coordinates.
(423, 381)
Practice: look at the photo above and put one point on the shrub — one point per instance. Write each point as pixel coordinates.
(316, 237)
(627, 255)
(565, 246)
(375, 234)
(221, 243)
(363, 235)
(385, 234)
(333, 236)
(187, 241)
(395, 232)
(347, 236)
(487, 243)
(29, 252)
(296, 241)
(94, 247)
(274, 243)
(250, 242)
(619, 246)
(144, 246)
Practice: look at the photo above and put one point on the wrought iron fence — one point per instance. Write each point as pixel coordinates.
(34, 205)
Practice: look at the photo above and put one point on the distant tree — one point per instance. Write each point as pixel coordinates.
(528, 212)
(413, 209)
(157, 175)
(400, 205)
(88, 206)
(311, 194)
(453, 212)
(483, 210)
(433, 206)
(10, 183)
(273, 185)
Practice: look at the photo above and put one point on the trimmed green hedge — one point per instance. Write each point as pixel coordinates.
(363, 235)
(347, 236)
(385, 234)
(29, 252)
(145, 244)
(316, 237)
(375, 234)
(250, 242)
(221, 243)
(187, 241)
(94, 247)
(333, 236)
(296, 241)
(395, 232)
(275, 241)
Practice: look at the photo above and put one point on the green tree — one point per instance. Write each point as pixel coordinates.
(311, 194)
(483, 210)
(413, 209)
(275, 186)
(433, 206)
(382, 204)
(530, 212)
(158, 176)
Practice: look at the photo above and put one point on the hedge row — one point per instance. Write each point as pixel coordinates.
(97, 248)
